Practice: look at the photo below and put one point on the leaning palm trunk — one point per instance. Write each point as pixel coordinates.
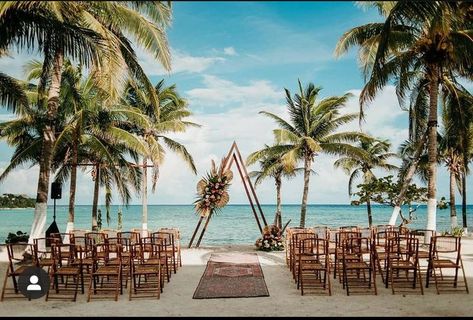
(278, 218)
(305, 193)
(96, 198)
(72, 189)
(432, 150)
(40, 211)
(453, 210)
(144, 219)
(465, 226)
(407, 180)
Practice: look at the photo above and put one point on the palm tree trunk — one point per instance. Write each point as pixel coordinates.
(96, 197)
(49, 137)
(144, 219)
(465, 225)
(278, 218)
(453, 210)
(432, 150)
(305, 193)
(370, 217)
(73, 185)
(407, 180)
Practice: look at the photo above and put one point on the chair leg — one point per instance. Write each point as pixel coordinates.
(4, 286)
(464, 277)
(90, 286)
(420, 279)
(436, 282)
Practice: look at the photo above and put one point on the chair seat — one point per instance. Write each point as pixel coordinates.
(46, 262)
(401, 264)
(356, 265)
(423, 254)
(155, 261)
(68, 271)
(444, 263)
(146, 269)
(315, 265)
(18, 271)
(106, 270)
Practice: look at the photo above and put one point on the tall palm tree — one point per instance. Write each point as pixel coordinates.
(416, 37)
(375, 156)
(93, 33)
(168, 118)
(456, 144)
(85, 108)
(272, 166)
(311, 131)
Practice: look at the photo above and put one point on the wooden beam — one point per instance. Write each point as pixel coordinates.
(251, 185)
(248, 194)
(195, 231)
(203, 230)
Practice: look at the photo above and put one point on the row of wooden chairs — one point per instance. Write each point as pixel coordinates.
(108, 262)
(356, 254)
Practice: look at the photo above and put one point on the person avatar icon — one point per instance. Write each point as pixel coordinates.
(33, 286)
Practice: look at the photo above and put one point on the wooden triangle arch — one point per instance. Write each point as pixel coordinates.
(234, 157)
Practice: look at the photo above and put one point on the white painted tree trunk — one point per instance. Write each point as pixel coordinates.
(392, 220)
(431, 218)
(144, 199)
(39, 222)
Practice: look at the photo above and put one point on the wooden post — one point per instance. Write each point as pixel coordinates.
(195, 231)
(203, 230)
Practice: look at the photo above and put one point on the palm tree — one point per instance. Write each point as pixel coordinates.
(12, 93)
(416, 37)
(272, 166)
(375, 156)
(311, 131)
(169, 117)
(456, 144)
(84, 106)
(93, 33)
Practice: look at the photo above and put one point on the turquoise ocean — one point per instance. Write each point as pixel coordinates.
(235, 224)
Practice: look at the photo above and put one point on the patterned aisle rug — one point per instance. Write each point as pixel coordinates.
(232, 275)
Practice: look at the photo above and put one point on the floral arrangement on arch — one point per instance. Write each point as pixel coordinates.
(271, 240)
(212, 190)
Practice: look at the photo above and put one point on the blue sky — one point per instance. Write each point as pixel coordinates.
(233, 59)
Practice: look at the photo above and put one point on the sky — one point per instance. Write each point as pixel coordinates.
(231, 60)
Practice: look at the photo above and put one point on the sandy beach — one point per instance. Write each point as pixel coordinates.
(284, 299)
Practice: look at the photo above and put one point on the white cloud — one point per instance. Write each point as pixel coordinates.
(383, 116)
(221, 92)
(230, 51)
(13, 65)
(181, 62)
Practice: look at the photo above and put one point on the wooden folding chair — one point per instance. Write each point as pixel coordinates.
(314, 265)
(403, 264)
(355, 265)
(105, 277)
(445, 254)
(145, 270)
(62, 271)
(16, 265)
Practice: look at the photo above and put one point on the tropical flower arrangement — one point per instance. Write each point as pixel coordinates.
(271, 240)
(212, 190)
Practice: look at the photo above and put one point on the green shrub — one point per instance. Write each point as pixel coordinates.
(18, 237)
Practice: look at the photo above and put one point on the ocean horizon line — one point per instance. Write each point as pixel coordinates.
(247, 204)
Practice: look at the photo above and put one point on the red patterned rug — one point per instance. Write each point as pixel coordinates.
(232, 275)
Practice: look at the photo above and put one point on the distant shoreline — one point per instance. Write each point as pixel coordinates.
(23, 208)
